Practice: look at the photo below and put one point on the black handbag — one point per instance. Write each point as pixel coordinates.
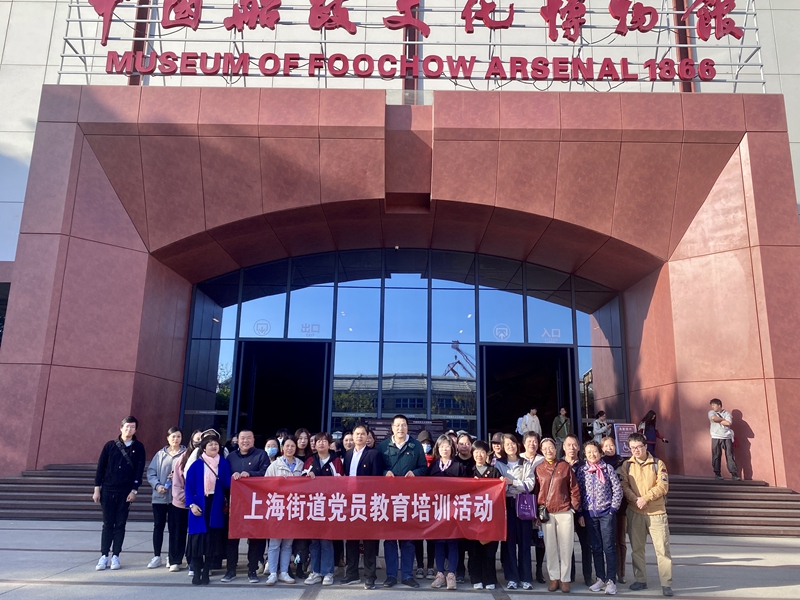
(544, 514)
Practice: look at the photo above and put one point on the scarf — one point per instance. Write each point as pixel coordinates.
(444, 465)
(210, 473)
(597, 468)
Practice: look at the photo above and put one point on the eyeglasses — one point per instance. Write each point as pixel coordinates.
(637, 447)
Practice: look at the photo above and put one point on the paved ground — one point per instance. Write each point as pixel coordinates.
(56, 559)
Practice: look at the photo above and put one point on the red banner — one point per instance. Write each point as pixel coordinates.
(368, 508)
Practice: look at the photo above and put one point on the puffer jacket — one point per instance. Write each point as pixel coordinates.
(522, 478)
(648, 480)
(599, 498)
(566, 493)
(280, 468)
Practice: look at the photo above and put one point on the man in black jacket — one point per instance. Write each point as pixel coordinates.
(361, 461)
(116, 483)
(246, 461)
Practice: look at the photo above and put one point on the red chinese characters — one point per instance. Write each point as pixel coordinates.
(407, 18)
(484, 13)
(330, 16)
(643, 18)
(713, 14)
(571, 14)
(252, 13)
(181, 13)
(105, 9)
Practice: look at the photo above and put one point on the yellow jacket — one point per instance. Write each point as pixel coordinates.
(648, 480)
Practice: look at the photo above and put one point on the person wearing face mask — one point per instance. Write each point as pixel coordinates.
(272, 447)
(560, 495)
(246, 461)
(422, 572)
(159, 474)
(601, 495)
(207, 482)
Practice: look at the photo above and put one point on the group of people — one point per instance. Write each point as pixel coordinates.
(600, 496)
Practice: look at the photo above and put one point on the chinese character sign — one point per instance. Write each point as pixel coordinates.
(622, 432)
(359, 508)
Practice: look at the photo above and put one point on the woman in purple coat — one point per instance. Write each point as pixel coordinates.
(207, 481)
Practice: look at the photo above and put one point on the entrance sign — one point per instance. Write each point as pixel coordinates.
(368, 508)
(610, 42)
(622, 432)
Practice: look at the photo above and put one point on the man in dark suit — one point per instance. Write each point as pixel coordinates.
(361, 461)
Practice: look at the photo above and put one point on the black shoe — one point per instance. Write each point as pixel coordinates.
(460, 579)
(390, 582)
(411, 582)
(667, 591)
(350, 580)
(638, 585)
(736, 478)
(204, 577)
(369, 584)
(717, 476)
(196, 578)
(252, 577)
(228, 577)
(540, 576)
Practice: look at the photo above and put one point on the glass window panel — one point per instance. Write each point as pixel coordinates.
(407, 268)
(210, 376)
(358, 314)
(228, 325)
(602, 326)
(264, 317)
(405, 379)
(453, 316)
(406, 315)
(600, 376)
(453, 360)
(311, 313)
(455, 270)
(313, 270)
(542, 278)
(500, 273)
(223, 290)
(264, 279)
(355, 379)
(548, 323)
(500, 316)
(360, 269)
(215, 306)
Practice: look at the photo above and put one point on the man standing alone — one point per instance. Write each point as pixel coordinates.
(645, 484)
(116, 483)
(721, 439)
(402, 457)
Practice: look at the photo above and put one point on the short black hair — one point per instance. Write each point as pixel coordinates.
(363, 426)
(716, 401)
(129, 419)
(530, 434)
(172, 430)
(323, 435)
(480, 445)
(637, 437)
(600, 413)
(206, 441)
(405, 418)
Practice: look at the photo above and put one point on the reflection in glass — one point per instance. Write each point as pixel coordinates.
(500, 316)
(602, 326)
(264, 317)
(454, 270)
(313, 270)
(358, 314)
(600, 375)
(453, 385)
(405, 379)
(548, 323)
(311, 313)
(355, 381)
(407, 268)
(500, 273)
(361, 268)
(208, 384)
(453, 315)
(215, 307)
(454, 360)
(542, 278)
(405, 316)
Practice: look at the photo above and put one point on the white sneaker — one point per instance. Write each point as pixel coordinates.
(191, 572)
(477, 586)
(597, 586)
(328, 579)
(174, 568)
(286, 578)
(313, 578)
(272, 579)
(115, 566)
(168, 565)
(511, 585)
(102, 564)
(154, 563)
(489, 586)
(611, 587)
(526, 585)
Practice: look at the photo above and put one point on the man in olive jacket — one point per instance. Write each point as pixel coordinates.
(402, 457)
(645, 483)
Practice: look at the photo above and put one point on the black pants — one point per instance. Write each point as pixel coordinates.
(300, 548)
(178, 525)
(419, 549)
(115, 516)
(717, 446)
(370, 559)
(255, 553)
(586, 553)
(464, 546)
(483, 563)
(160, 512)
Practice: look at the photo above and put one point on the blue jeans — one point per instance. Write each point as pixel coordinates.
(515, 552)
(279, 555)
(451, 548)
(603, 540)
(406, 557)
(322, 557)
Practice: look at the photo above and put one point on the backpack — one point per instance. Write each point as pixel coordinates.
(519, 426)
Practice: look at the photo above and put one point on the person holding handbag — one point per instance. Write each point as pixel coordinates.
(515, 552)
(559, 498)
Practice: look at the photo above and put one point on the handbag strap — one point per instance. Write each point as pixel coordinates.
(210, 467)
(550, 483)
(125, 454)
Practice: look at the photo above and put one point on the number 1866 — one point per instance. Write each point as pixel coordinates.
(686, 70)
